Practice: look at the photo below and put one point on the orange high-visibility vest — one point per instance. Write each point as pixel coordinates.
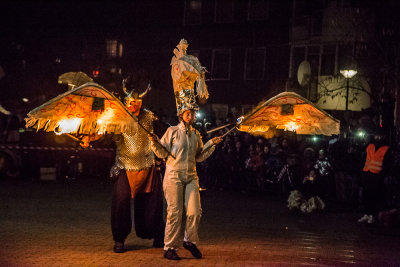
(374, 159)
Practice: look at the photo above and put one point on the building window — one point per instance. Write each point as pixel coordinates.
(192, 12)
(254, 64)
(346, 58)
(223, 11)
(258, 9)
(322, 59)
(298, 55)
(313, 56)
(114, 49)
(316, 24)
(328, 58)
(221, 64)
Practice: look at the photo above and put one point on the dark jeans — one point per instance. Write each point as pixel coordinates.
(373, 192)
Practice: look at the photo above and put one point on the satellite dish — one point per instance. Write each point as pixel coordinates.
(304, 73)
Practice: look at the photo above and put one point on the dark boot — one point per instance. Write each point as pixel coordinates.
(193, 249)
(171, 254)
(119, 247)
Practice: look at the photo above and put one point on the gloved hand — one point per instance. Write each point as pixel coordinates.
(114, 172)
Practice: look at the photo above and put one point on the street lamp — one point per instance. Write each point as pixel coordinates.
(348, 74)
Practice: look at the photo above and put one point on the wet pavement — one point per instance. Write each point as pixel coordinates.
(57, 224)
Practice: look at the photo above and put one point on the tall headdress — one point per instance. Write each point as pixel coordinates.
(185, 72)
(133, 94)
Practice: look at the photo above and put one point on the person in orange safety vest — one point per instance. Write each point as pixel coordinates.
(372, 178)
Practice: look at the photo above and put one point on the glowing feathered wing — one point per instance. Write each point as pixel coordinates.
(86, 109)
(289, 111)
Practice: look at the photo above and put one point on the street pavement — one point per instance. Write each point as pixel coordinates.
(48, 223)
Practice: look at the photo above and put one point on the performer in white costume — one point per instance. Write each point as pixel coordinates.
(181, 183)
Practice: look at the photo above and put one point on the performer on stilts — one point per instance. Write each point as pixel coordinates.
(181, 183)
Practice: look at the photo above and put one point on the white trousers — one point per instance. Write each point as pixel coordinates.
(181, 190)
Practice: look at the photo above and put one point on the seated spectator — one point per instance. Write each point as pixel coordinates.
(306, 199)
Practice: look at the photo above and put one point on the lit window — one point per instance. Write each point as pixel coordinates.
(221, 64)
(114, 49)
(254, 64)
(224, 11)
(192, 12)
(258, 9)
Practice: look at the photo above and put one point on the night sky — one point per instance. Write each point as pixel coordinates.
(40, 40)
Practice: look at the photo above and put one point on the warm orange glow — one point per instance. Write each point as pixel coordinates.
(104, 119)
(68, 126)
(260, 129)
(254, 129)
(290, 126)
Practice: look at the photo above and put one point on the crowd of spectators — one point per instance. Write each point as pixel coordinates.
(329, 167)
(255, 163)
(326, 166)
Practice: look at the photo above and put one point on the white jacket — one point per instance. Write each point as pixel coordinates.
(187, 148)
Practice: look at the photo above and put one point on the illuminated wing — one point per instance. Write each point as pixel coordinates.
(289, 111)
(74, 79)
(87, 109)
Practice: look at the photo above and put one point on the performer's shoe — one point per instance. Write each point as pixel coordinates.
(158, 243)
(193, 249)
(119, 247)
(171, 254)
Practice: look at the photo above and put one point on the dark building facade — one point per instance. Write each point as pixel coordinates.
(243, 44)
